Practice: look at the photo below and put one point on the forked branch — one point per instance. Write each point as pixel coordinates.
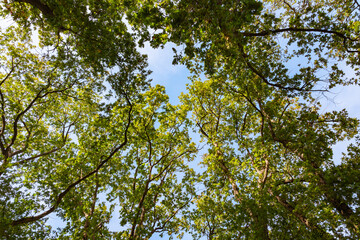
(82, 179)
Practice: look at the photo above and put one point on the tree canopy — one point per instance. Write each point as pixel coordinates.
(84, 134)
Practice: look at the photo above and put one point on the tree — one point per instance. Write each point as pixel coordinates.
(84, 134)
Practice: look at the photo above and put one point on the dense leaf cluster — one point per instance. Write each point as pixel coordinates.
(85, 137)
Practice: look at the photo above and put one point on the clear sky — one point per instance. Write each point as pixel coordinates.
(173, 77)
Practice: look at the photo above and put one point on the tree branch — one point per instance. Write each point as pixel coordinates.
(37, 156)
(292, 29)
(17, 118)
(70, 187)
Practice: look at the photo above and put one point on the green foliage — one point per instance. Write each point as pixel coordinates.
(83, 134)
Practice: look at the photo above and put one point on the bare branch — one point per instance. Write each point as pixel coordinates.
(169, 164)
(3, 119)
(37, 156)
(170, 217)
(292, 29)
(288, 181)
(264, 79)
(10, 72)
(266, 172)
(289, 6)
(164, 156)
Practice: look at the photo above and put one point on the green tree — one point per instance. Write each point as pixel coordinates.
(270, 158)
(83, 134)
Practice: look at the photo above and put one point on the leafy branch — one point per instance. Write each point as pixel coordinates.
(82, 179)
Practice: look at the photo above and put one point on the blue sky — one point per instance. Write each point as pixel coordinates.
(173, 77)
